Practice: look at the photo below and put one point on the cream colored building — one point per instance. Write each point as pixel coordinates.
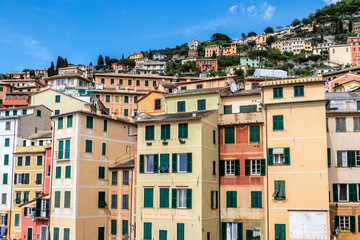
(340, 55)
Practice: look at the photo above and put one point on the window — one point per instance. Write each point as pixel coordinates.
(112, 81)
(149, 133)
(60, 122)
(105, 125)
(180, 231)
(182, 88)
(182, 198)
(7, 142)
(183, 130)
(129, 82)
(165, 131)
(232, 230)
(114, 199)
(120, 81)
(126, 99)
(103, 149)
(101, 233)
(229, 135)
(280, 232)
(114, 178)
(58, 172)
(66, 233)
(279, 190)
(254, 134)
(201, 104)
(298, 91)
(278, 122)
(101, 172)
(69, 121)
(38, 178)
(256, 199)
(67, 196)
(154, 83)
(18, 197)
(214, 199)
(88, 146)
(149, 163)
(125, 201)
(15, 112)
(199, 86)
(68, 171)
(254, 85)
(57, 112)
(57, 98)
(163, 235)
(125, 178)
(164, 197)
(340, 124)
(181, 106)
(64, 153)
(26, 197)
(279, 156)
(103, 80)
(126, 112)
(255, 167)
(41, 142)
(148, 197)
(8, 126)
(231, 199)
(6, 159)
(230, 167)
(147, 231)
(5, 178)
(27, 160)
(278, 92)
(157, 104)
(113, 227)
(7, 113)
(227, 109)
(17, 220)
(89, 122)
(214, 137)
(101, 197)
(39, 160)
(248, 108)
(3, 199)
(107, 98)
(146, 83)
(345, 158)
(135, 99)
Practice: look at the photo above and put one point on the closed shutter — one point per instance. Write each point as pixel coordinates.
(156, 163)
(282, 189)
(148, 197)
(254, 134)
(25, 211)
(359, 223)
(67, 148)
(61, 150)
(189, 198)
(256, 199)
(217, 199)
(287, 156)
(329, 156)
(141, 168)
(173, 198)
(282, 232)
(88, 146)
(337, 221)
(240, 231)
(223, 231)
(351, 158)
(247, 167)
(352, 224)
(113, 227)
(222, 167)
(56, 233)
(237, 167)
(125, 228)
(339, 158)
(189, 162)
(249, 234)
(67, 171)
(229, 135)
(174, 162)
(180, 231)
(164, 198)
(335, 193)
(67, 196)
(164, 163)
(270, 156)
(262, 167)
(353, 195)
(57, 199)
(38, 208)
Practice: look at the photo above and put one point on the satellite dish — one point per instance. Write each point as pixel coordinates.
(175, 90)
(233, 87)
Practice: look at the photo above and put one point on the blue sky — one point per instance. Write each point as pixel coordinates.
(33, 33)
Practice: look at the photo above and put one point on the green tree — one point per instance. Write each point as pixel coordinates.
(150, 55)
(220, 37)
(269, 30)
(100, 61)
(51, 70)
(239, 73)
(60, 63)
(252, 34)
(295, 22)
(350, 26)
(66, 64)
(129, 63)
(243, 35)
(270, 40)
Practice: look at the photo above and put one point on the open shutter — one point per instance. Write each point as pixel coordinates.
(353, 192)
(237, 167)
(189, 162)
(217, 199)
(156, 163)
(247, 167)
(339, 158)
(6, 219)
(337, 220)
(25, 211)
(335, 193)
(174, 162)
(240, 231)
(61, 150)
(38, 207)
(223, 231)
(351, 158)
(359, 223)
(222, 167)
(173, 197)
(352, 224)
(189, 198)
(228, 199)
(249, 234)
(141, 170)
(47, 207)
(262, 167)
(329, 156)
(270, 156)
(287, 156)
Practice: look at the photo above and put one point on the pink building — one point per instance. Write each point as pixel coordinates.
(207, 64)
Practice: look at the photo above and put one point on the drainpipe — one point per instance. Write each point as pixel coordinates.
(131, 202)
(12, 174)
(51, 172)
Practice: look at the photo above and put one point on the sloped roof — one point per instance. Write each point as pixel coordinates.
(175, 116)
(42, 134)
(126, 163)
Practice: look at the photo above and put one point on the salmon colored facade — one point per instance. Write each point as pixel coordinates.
(152, 103)
(341, 81)
(354, 43)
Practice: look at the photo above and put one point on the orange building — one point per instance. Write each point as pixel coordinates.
(341, 80)
(4, 89)
(230, 50)
(354, 43)
(213, 49)
(17, 99)
(152, 103)
(41, 72)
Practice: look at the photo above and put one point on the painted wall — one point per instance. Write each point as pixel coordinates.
(212, 102)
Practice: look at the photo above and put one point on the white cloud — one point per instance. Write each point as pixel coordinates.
(330, 1)
(268, 11)
(232, 9)
(250, 9)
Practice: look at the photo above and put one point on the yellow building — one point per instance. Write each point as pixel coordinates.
(297, 180)
(213, 50)
(85, 145)
(136, 55)
(260, 39)
(340, 55)
(152, 103)
(29, 182)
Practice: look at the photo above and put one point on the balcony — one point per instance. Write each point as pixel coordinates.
(63, 155)
(241, 118)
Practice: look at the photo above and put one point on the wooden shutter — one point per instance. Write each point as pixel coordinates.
(164, 198)
(189, 198)
(240, 231)
(156, 163)
(287, 156)
(189, 162)
(222, 168)
(249, 234)
(228, 199)
(223, 231)
(270, 156)
(217, 199)
(180, 231)
(173, 198)
(38, 208)
(60, 149)
(247, 167)
(174, 162)
(337, 221)
(352, 224)
(335, 193)
(329, 156)
(125, 231)
(351, 158)
(113, 227)
(359, 223)
(6, 219)
(353, 192)
(25, 211)
(262, 167)
(142, 166)
(339, 158)
(237, 167)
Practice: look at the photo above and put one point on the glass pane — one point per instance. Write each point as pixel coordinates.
(150, 163)
(343, 192)
(182, 162)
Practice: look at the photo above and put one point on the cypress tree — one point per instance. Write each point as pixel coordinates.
(100, 61)
(350, 26)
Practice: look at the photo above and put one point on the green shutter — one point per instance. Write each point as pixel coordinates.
(142, 166)
(88, 146)
(229, 135)
(57, 199)
(173, 198)
(67, 196)
(287, 156)
(164, 163)
(222, 167)
(351, 158)
(57, 98)
(156, 163)
(180, 231)
(270, 156)
(105, 125)
(174, 162)
(189, 198)
(359, 223)
(353, 194)
(337, 221)
(60, 122)
(227, 109)
(162, 234)
(335, 193)
(164, 198)
(256, 199)
(262, 167)
(6, 219)
(148, 197)
(189, 162)
(101, 173)
(223, 231)
(58, 172)
(6, 159)
(113, 226)
(89, 122)
(56, 233)
(69, 121)
(61, 149)
(254, 134)
(240, 231)
(329, 156)
(237, 167)
(201, 104)
(247, 167)
(67, 171)
(249, 234)
(67, 148)
(352, 224)
(125, 227)
(147, 231)
(103, 148)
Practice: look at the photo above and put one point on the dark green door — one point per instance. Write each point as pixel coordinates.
(29, 233)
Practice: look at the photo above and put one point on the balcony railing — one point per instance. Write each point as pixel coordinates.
(62, 155)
